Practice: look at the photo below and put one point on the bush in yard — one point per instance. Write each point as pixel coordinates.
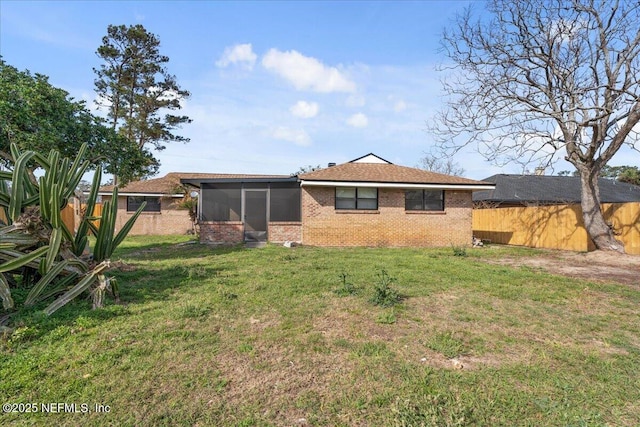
(383, 294)
(346, 288)
(38, 253)
(459, 251)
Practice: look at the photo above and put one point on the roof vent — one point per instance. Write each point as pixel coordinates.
(331, 164)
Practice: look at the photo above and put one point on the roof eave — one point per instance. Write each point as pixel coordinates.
(440, 186)
(197, 182)
(140, 194)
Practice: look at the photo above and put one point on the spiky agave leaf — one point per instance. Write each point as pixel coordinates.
(21, 259)
(34, 210)
(45, 280)
(5, 293)
(19, 185)
(80, 240)
(80, 287)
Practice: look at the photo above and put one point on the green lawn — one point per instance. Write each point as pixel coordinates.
(286, 337)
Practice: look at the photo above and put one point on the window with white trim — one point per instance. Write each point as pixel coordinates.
(362, 198)
(424, 200)
(134, 202)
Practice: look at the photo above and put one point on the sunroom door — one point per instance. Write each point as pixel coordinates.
(255, 215)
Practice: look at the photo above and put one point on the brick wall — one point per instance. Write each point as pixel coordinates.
(226, 232)
(390, 225)
(170, 219)
(232, 232)
(280, 232)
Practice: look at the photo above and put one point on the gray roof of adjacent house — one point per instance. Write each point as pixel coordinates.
(543, 189)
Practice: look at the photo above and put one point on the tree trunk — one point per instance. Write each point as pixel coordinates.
(598, 230)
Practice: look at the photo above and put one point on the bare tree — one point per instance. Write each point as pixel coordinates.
(445, 165)
(536, 79)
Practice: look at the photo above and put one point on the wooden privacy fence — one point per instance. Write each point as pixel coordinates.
(555, 227)
(68, 214)
(71, 214)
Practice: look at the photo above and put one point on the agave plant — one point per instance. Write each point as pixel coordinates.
(37, 249)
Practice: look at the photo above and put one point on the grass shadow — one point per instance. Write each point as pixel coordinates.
(172, 251)
(136, 286)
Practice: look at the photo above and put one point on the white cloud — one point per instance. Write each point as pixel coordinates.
(399, 106)
(355, 101)
(304, 109)
(241, 54)
(297, 136)
(358, 120)
(306, 73)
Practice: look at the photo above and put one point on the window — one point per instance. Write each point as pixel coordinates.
(424, 200)
(134, 202)
(221, 202)
(356, 198)
(285, 202)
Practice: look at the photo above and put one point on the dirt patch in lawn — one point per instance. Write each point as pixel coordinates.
(599, 266)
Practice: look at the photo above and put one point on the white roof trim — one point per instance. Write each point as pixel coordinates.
(304, 183)
(371, 158)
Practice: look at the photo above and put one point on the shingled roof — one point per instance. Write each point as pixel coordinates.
(362, 171)
(369, 169)
(544, 189)
(170, 183)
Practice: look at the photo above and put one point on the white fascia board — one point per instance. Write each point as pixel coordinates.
(395, 185)
(141, 194)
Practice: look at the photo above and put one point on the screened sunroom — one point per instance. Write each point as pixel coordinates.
(257, 209)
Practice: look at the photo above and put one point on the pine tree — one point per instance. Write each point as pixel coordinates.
(136, 88)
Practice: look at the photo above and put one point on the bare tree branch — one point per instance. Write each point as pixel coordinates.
(534, 80)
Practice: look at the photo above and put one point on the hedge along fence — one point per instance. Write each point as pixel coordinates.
(555, 227)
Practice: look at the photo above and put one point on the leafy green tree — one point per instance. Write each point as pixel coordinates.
(631, 176)
(37, 116)
(135, 87)
(628, 174)
(306, 169)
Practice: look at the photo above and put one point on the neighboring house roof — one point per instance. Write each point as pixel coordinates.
(543, 189)
(213, 178)
(372, 170)
(167, 185)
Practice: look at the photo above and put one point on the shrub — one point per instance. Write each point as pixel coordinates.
(383, 294)
(346, 288)
(38, 252)
(459, 251)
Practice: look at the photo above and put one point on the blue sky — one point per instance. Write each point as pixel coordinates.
(275, 85)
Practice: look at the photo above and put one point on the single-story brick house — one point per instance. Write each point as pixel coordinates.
(365, 202)
(162, 214)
